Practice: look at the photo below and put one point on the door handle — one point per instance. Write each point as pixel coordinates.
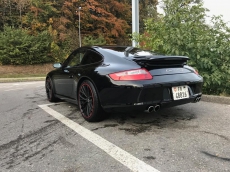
(66, 71)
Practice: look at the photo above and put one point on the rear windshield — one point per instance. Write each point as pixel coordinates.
(128, 51)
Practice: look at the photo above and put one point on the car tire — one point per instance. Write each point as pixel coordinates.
(88, 102)
(50, 90)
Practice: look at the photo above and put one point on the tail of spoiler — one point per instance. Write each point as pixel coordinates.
(161, 61)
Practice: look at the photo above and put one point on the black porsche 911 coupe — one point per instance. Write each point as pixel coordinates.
(120, 78)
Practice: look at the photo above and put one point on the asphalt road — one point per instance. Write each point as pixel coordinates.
(38, 137)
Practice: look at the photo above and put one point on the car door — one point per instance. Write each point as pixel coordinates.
(67, 77)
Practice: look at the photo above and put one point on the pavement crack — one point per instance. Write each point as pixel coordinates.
(215, 156)
(221, 136)
(149, 157)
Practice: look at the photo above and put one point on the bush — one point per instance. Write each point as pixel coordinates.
(18, 47)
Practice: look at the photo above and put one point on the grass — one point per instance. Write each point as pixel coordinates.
(25, 71)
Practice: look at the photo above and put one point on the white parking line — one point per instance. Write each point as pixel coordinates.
(40, 86)
(6, 86)
(114, 151)
(25, 83)
(14, 89)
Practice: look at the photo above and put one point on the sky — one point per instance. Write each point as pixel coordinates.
(220, 7)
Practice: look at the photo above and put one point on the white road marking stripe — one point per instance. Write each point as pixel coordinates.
(25, 83)
(6, 86)
(14, 89)
(114, 151)
(40, 86)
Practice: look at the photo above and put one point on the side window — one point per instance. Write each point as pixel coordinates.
(75, 58)
(91, 57)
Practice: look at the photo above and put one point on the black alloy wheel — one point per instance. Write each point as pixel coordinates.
(50, 91)
(88, 102)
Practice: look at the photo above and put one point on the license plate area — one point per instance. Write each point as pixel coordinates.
(180, 92)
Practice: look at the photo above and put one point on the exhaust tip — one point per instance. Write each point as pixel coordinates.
(149, 109)
(156, 108)
(153, 108)
(197, 99)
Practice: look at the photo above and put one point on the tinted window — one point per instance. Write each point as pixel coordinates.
(91, 57)
(127, 51)
(75, 58)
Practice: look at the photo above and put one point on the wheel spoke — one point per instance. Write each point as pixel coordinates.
(86, 100)
(82, 98)
(84, 91)
(83, 103)
(87, 107)
(90, 104)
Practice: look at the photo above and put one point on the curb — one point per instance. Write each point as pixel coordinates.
(5, 80)
(216, 99)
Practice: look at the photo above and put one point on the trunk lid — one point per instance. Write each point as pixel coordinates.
(163, 65)
(159, 61)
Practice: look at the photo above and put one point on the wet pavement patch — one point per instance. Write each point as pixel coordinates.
(136, 130)
(105, 126)
(154, 122)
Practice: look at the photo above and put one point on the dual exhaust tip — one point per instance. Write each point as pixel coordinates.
(197, 99)
(153, 108)
(157, 107)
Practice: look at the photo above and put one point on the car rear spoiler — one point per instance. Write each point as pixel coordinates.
(160, 61)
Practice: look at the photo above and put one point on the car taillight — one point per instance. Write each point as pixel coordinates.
(192, 69)
(131, 75)
(196, 71)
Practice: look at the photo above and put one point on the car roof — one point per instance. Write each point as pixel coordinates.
(120, 51)
(124, 53)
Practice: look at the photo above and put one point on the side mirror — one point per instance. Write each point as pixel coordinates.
(57, 65)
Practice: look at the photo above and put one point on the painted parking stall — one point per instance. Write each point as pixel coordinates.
(117, 153)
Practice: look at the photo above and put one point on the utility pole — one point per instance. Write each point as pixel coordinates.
(79, 25)
(135, 19)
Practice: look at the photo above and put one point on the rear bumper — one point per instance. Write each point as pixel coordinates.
(144, 107)
(120, 98)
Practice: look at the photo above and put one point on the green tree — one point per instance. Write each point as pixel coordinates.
(37, 17)
(17, 47)
(148, 9)
(89, 40)
(183, 31)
